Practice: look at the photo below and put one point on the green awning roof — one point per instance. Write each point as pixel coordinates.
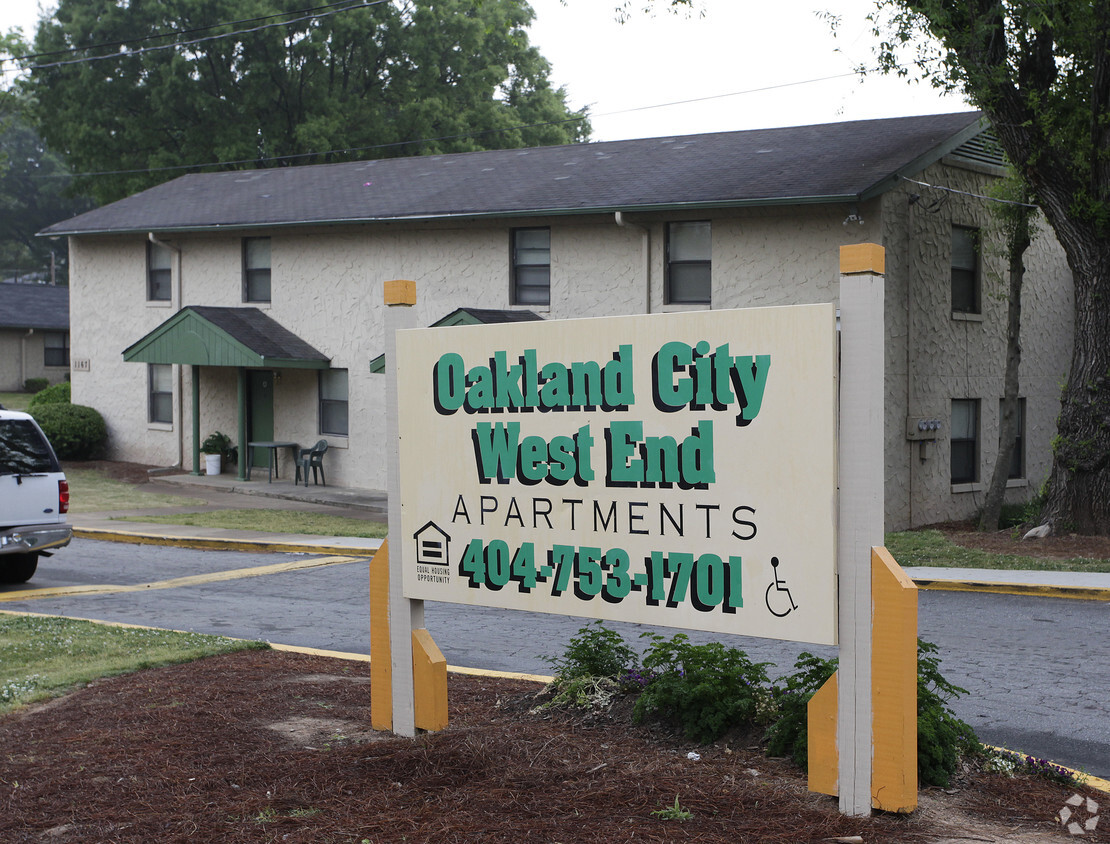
(209, 336)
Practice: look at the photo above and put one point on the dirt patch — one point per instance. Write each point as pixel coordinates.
(132, 473)
(270, 746)
(1010, 541)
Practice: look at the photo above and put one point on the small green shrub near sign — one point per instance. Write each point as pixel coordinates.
(35, 385)
(705, 691)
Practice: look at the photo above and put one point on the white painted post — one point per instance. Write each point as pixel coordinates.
(861, 509)
(404, 615)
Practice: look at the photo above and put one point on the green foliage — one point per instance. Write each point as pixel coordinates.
(704, 690)
(673, 813)
(595, 651)
(57, 394)
(75, 431)
(789, 734)
(371, 81)
(942, 738)
(220, 443)
(35, 385)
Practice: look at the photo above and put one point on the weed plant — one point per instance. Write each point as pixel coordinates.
(789, 734)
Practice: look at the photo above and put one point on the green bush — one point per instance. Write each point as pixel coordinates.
(704, 690)
(942, 738)
(76, 432)
(58, 394)
(596, 651)
(35, 385)
(789, 734)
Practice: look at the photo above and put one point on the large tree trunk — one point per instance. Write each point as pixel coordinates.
(1017, 241)
(1079, 486)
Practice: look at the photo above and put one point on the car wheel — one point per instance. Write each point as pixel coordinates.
(18, 568)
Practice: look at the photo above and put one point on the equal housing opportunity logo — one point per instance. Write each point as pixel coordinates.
(1079, 815)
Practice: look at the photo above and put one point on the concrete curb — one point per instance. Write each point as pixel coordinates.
(367, 549)
(1084, 593)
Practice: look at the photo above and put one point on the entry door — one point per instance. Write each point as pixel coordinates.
(260, 412)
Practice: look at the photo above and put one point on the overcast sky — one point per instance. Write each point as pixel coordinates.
(740, 65)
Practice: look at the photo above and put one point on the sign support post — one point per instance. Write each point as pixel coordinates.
(862, 268)
(405, 615)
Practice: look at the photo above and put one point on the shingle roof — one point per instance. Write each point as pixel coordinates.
(41, 306)
(820, 163)
(260, 333)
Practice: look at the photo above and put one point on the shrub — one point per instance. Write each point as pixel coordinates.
(76, 432)
(596, 651)
(789, 734)
(704, 690)
(35, 385)
(942, 738)
(58, 394)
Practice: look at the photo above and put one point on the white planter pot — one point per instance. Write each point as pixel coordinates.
(212, 464)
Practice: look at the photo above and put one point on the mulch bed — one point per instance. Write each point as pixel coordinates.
(272, 746)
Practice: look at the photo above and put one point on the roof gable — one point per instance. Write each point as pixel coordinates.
(800, 164)
(469, 316)
(209, 336)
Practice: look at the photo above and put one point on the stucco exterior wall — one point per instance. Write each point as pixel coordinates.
(22, 357)
(935, 356)
(327, 288)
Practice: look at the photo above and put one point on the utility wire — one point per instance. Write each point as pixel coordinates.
(967, 193)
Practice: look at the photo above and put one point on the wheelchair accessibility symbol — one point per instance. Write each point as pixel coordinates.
(782, 597)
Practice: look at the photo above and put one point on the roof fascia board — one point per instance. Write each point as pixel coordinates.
(922, 161)
(484, 215)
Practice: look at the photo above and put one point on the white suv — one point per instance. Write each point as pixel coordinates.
(34, 498)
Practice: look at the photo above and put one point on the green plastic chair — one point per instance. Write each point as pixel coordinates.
(311, 458)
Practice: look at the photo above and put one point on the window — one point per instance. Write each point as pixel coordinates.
(55, 348)
(161, 392)
(965, 270)
(159, 274)
(1017, 459)
(688, 263)
(531, 266)
(965, 441)
(333, 402)
(256, 269)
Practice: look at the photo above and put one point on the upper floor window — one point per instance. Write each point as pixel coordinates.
(256, 269)
(689, 264)
(965, 270)
(159, 272)
(161, 392)
(55, 348)
(333, 402)
(532, 266)
(965, 441)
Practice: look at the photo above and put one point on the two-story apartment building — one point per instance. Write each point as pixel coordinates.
(251, 301)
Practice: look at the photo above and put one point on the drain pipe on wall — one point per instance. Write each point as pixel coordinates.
(23, 358)
(179, 421)
(618, 216)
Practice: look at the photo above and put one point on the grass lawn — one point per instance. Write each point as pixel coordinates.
(273, 521)
(933, 548)
(43, 657)
(92, 492)
(15, 401)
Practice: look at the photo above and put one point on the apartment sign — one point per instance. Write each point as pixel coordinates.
(671, 469)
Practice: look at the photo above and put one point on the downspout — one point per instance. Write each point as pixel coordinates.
(618, 216)
(180, 420)
(23, 358)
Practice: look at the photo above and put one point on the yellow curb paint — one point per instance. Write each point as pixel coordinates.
(1082, 593)
(500, 675)
(136, 538)
(178, 582)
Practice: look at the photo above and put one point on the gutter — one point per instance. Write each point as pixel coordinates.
(645, 250)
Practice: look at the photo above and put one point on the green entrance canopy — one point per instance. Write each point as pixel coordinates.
(240, 337)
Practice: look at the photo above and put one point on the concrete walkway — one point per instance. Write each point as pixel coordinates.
(221, 492)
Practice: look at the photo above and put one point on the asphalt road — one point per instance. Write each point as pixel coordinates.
(1037, 670)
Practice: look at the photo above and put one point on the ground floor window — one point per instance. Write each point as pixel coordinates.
(55, 348)
(161, 392)
(333, 402)
(965, 441)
